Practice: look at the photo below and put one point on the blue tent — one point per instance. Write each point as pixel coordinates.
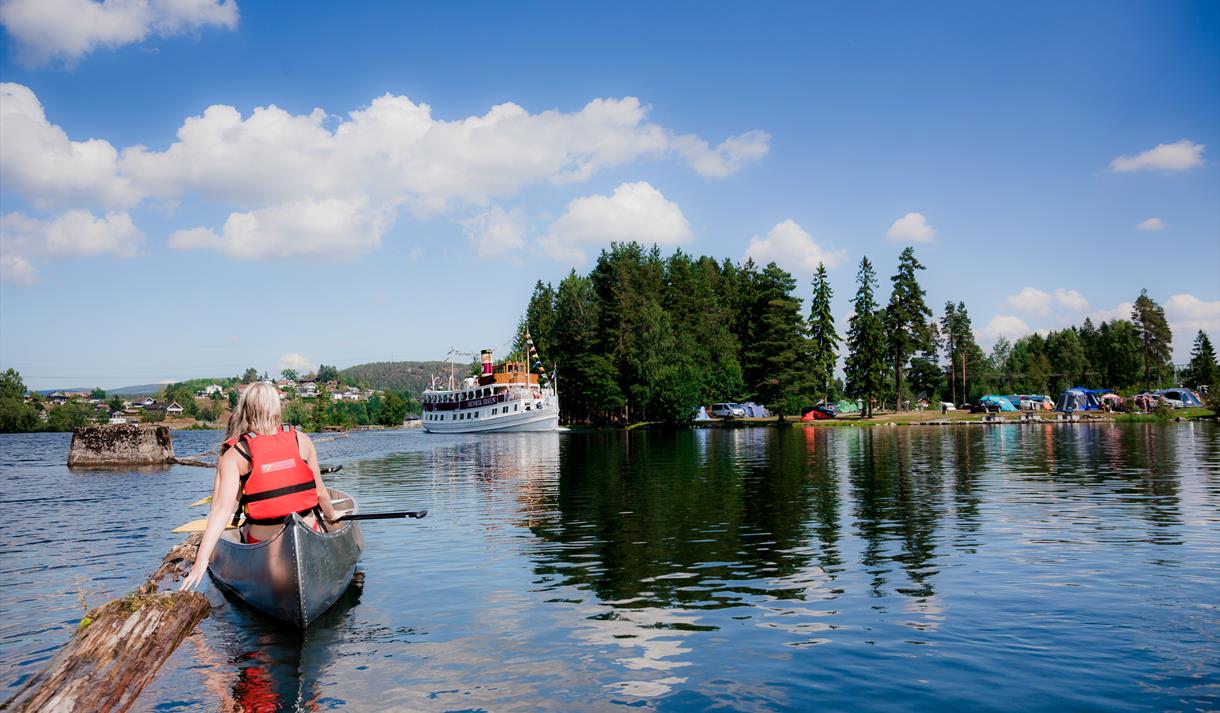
(1079, 399)
(1001, 403)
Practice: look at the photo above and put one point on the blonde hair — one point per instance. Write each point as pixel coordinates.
(258, 410)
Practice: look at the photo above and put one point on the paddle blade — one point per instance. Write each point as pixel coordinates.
(202, 501)
(196, 526)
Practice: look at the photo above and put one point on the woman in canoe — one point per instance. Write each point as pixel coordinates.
(265, 469)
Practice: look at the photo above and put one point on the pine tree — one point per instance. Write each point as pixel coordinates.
(865, 365)
(906, 318)
(1203, 368)
(948, 332)
(968, 351)
(1155, 336)
(823, 340)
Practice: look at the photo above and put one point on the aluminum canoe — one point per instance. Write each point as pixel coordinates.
(296, 575)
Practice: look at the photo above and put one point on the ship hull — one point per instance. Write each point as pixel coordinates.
(529, 421)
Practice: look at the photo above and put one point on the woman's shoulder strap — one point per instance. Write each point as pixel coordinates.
(232, 443)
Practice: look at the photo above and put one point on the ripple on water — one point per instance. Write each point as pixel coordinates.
(740, 569)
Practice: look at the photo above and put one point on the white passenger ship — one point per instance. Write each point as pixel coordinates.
(506, 397)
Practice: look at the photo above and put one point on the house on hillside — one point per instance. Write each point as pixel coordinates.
(208, 390)
(173, 409)
(57, 397)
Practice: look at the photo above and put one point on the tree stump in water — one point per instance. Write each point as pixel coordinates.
(119, 646)
(118, 445)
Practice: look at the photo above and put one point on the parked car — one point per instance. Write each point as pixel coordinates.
(1179, 397)
(728, 410)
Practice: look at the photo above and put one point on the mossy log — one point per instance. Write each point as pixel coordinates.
(119, 646)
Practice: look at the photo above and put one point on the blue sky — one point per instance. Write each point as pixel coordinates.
(1047, 161)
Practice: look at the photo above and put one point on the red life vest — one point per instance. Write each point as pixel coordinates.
(279, 483)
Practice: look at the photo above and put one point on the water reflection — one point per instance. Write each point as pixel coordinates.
(271, 666)
(1067, 566)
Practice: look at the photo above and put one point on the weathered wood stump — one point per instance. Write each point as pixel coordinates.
(120, 444)
(119, 646)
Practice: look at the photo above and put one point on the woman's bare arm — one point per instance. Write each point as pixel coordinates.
(310, 454)
(224, 501)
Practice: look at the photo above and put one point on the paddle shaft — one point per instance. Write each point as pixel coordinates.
(384, 515)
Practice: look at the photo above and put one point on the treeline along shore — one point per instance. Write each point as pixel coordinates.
(326, 398)
(648, 338)
(644, 337)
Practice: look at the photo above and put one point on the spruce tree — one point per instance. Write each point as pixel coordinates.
(1203, 368)
(865, 365)
(948, 332)
(1155, 336)
(823, 340)
(906, 318)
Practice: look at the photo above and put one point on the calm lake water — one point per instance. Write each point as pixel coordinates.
(1001, 568)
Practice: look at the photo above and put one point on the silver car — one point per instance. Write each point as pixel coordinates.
(728, 410)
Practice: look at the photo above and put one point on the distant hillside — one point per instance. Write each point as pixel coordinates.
(138, 390)
(412, 376)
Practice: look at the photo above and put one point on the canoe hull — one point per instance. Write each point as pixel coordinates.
(296, 575)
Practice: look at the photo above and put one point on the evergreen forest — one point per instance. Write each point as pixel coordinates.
(649, 337)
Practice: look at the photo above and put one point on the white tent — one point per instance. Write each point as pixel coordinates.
(701, 415)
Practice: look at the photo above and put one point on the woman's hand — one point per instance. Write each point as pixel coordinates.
(195, 577)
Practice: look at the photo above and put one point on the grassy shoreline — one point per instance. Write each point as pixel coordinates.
(913, 418)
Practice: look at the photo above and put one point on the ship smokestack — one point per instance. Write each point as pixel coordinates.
(486, 356)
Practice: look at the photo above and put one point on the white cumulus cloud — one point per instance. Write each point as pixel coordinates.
(1165, 157)
(49, 30)
(17, 270)
(790, 246)
(496, 232)
(1188, 314)
(1007, 326)
(27, 241)
(41, 164)
(1122, 311)
(729, 157)
(314, 183)
(299, 363)
(635, 212)
(1031, 300)
(1071, 299)
(1151, 225)
(296, 228)
(911, 228)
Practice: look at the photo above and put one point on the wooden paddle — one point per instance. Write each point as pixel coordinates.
(199, 526)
